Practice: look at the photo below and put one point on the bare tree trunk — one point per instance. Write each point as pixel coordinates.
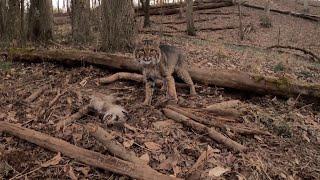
(40, 20)
(265, 20)
(118, 24)
(12, 29)
(22, 24)
(191, 30)
(180, 9)
(3, 19)
(58, 6)
(80, 16)
(146, 6)
(241, 32)
(305, 6)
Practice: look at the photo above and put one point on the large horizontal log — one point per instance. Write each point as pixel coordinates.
(176, 10)
(88, 157)
(295, 14)
(224, 78)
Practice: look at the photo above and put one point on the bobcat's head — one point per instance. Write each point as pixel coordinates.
(148, 53)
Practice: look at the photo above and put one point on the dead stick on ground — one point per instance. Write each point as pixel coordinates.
(313, 55)
(85, 156)
(199, 119)
(225, 104)
(36, 94)
(106, 139)
(133, 77)
(65, 122)
(215, 135)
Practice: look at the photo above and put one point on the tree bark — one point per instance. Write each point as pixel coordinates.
(118, 25)
(191, 30)
(80, 18)
(224, 78)
(146, 7)
(13, 21)
(85, 156)
(40, 20)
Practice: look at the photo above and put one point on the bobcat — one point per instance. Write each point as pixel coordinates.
(160, 62)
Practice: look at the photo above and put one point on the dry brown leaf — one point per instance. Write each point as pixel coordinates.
(205, 155)
(218, 171)
(152, 146)
(52, 162)
(69, 170)
(305, 136)
(145, 157)
(162, 124)
(84, 170)
(128, 143)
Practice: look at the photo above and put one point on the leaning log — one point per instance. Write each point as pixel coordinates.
(85, 156)
(223, 78)
(295, 14)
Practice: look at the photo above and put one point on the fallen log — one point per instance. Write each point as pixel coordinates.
(305, 51)
(197, 29)
(236, 129)
(223, 78)
(176, 10)
(133, 77)
(85, 156)
(295, 14)
(116, 149)
(215, 135)
(76, 116)
(36, 94)
(183, 22)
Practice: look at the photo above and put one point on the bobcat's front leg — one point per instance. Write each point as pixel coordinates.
(149, 87)
(171, 88)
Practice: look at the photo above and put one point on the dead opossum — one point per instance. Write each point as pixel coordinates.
(105, 105)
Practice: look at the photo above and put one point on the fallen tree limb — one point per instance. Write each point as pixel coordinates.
(36, 94)
(106, 139)
(224, 78)
(181, 31)
(183, 22)
(175, 9)
(295, 14)
(76, 116)
(215, 135)
(307, 52)
(85, 156)
(133, 77)
(225, 104)
(237, 129)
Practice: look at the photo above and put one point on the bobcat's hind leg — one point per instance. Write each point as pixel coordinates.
(185, 76)
(171, 88)
(149, 87)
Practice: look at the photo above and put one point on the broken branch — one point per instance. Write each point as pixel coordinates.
(36, 94)
(215, 135)
(88, 157)
(76, 116)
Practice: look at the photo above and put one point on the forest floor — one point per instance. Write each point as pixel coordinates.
(290, 152)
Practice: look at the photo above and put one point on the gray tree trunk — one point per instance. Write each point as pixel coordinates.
(191, 30)
(40, 20)
(118, 24)
(80, 16)
(3, 19)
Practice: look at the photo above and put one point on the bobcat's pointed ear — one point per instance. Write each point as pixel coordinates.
(157, 41)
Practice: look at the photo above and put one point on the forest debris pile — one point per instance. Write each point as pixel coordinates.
(167, 146)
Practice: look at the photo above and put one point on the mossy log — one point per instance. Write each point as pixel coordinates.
(223, 78)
